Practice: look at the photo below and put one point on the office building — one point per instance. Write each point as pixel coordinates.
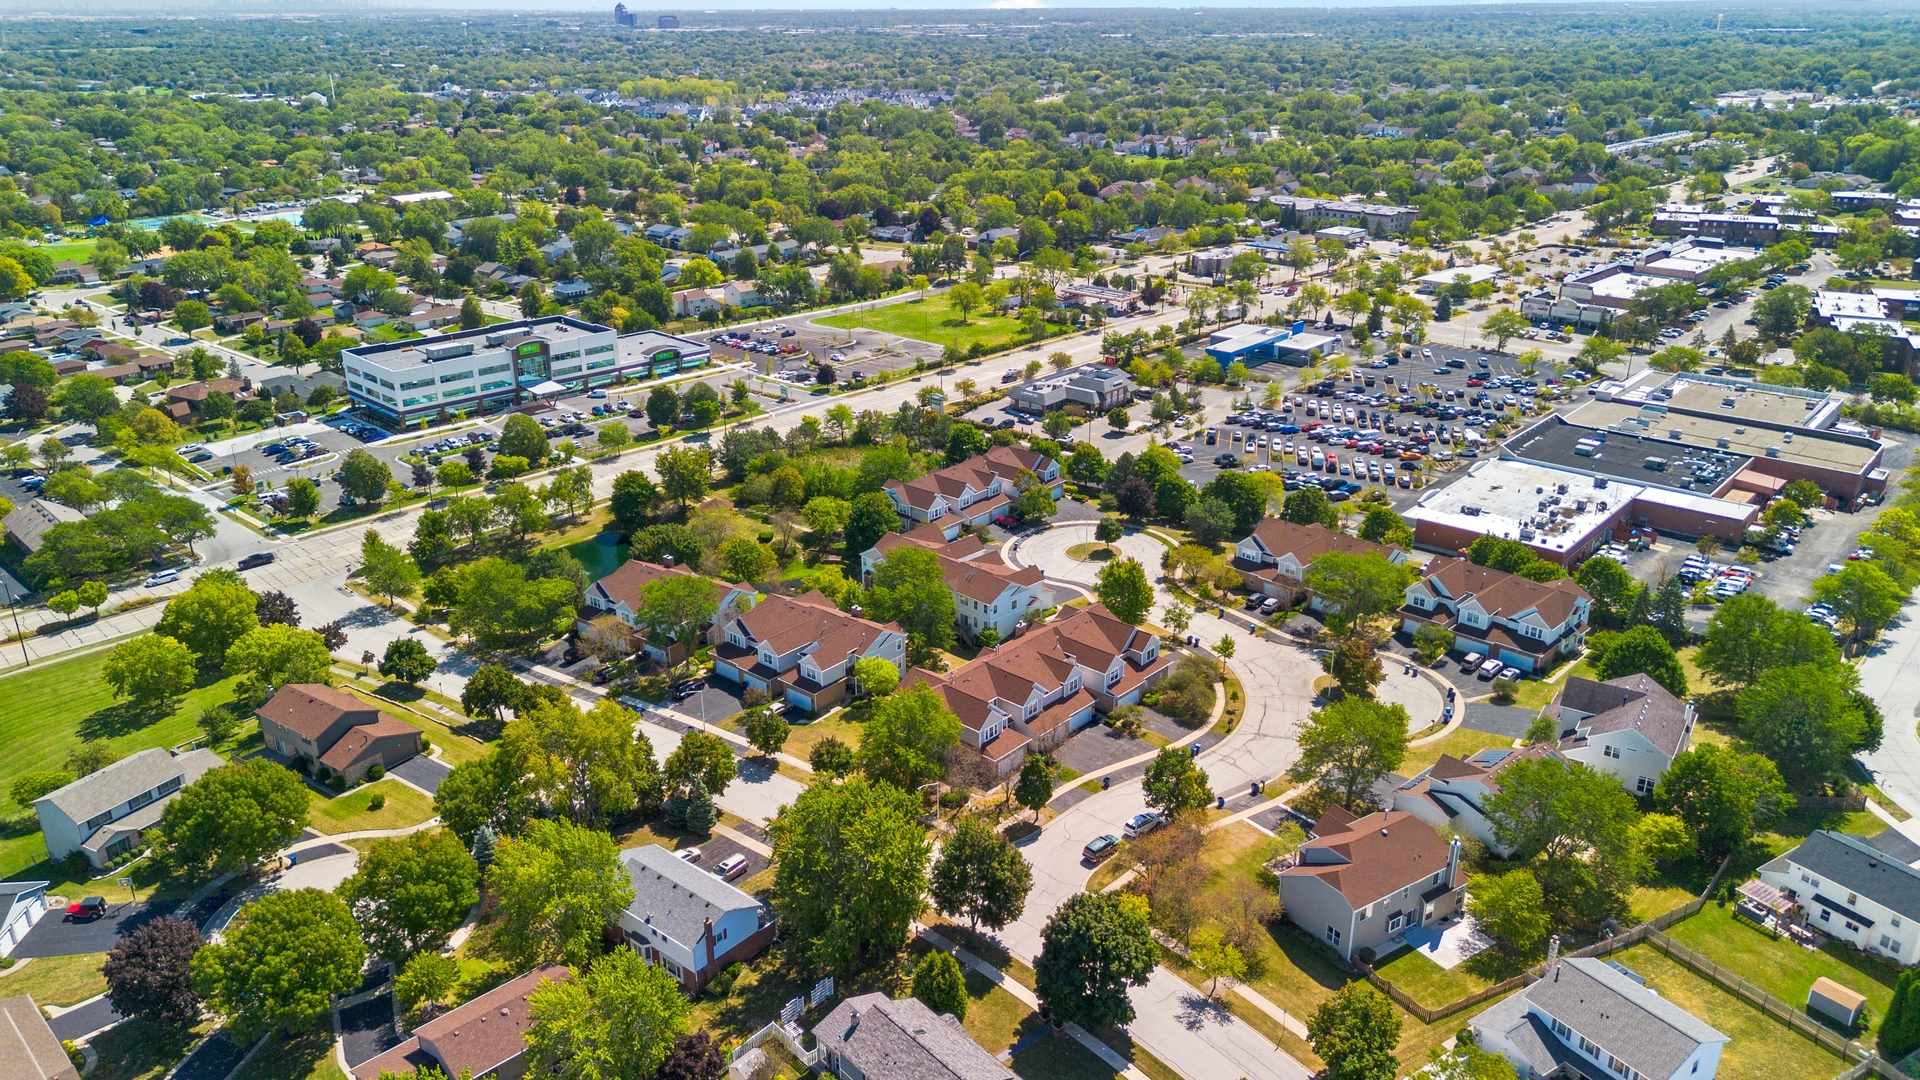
(1095, 387)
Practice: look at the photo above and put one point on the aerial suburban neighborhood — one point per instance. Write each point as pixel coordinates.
(1280, 544)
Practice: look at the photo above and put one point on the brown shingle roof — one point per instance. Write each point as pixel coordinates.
(624, 584)
(310, 708)
(787, 622)
(1373, 856)
(478, 1036)
(1503, 594)
(28, 1048)
(1090, 637)
(1304, 542)
(348, 748)
(986, 578)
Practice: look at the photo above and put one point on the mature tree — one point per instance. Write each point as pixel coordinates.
(694, 1055)
(850, 871)
(1662, 839)
(831, 758)
(685, 474)
(1640, 650)
(1309, 506)
(1863, 596)
(363, 478)
(1355, 665)
(387, 569)
(1354, 1033)
(980, 876)
(90, 757)
(1124, 589)
(1466, 1061)
(618, 1018)
(1513, 557)
(1351, 745)
(871, 517)
(634, 497)
(427, 979)
(910, 588)
(269, 657)
(30, 787)
(1380, 525)
(588, 766)
(1807, 719)
(663, 407)
(557, 886)
(280, 962)
(410, 892)
(1576, 823)
(522, 436)
(1216, 958)
(1173, 782)
(232, 817)
(490, 691)
(700, 756)
(490, 793)
(905, 740)
(1610, 586)
(303, 497)
(1210, 521)
(876, 675)
(151, 671)
(406, 660)
(940, 984)
(210, 616)
(1900, 1028)
(150, 973)
(1750, 634)
(1093, 948)
(766, 730)
(501, 607)
(677, 607)
(1243, 495)
(1035, 787)
(1356, 588)
(1511, 907)
(1723, 795)
(276, 608)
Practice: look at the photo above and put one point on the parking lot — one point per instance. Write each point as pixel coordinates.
(792, 352)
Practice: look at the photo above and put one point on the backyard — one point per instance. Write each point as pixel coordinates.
(1782, 968)
(1758, 1047)
(930, 321)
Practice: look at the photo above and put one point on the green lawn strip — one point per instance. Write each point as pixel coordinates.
(930, 321)
(804, 737)
(1758, 1047)
(136, 1050)
(1782, 968)
(995, 1018)
(1255, 1017)
(1061, 1057)
(457, 746)
(349, 812)
(56, 980)
(294, 1057)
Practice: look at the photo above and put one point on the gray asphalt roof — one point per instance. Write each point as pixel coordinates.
(96, 793)
(677, 895)
(1857, 866)
(905, 1040)
(1627, 1020)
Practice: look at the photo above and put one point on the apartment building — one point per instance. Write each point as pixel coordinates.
(977, 491)
(1360, 882)
(1519, 621)
(802, 649)
(987, 593)
(1273, 559)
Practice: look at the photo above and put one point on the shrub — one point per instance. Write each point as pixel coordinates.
(337, 782)
(378, 801)
(376, 772)
(1503, 691)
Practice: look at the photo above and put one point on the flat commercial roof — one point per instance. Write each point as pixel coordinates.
(1474, 274)
(1790, 408)
(1501, 497)
(419, 352)
(1606, 453)
(1816, 448)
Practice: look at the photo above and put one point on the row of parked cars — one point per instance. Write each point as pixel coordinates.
(291, 449)
(1489, 668)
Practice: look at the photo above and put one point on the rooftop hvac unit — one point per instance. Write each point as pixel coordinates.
(1657, 464)
(1580, 506)
(447, 350)
(1526, 534)
(1600, 484)
(1562, 489)
(1773, 451)
(1723, 442)
(1470, 511)
(1786, 436)
(1740, 430)
(1602, 507)
(1674, 434)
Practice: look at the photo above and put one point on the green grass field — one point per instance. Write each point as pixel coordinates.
(52, 709)
(930, 321)
(348, 813)
(1782, 968)
(56, 980)
(1758, 1046)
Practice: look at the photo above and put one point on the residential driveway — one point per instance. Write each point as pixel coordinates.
(1098, 746)
(422, 772)
(1499, 719)
(757, 791)
(368, 1030)
(53, 936)
(1200, 1039)
(212, 1059)
(84, 1019)
(718, 849)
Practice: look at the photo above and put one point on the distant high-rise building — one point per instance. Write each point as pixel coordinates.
(623, 17)
(669, 22)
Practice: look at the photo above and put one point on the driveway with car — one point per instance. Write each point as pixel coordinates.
(53, 935)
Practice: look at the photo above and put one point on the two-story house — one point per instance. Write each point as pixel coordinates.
(1036, 691)
(987, 593)
(486, 1038)
(619, 594)
(1273, 559)
(1852, 891)
(1630, 728)
(688, 920)
(1453, 793)
(874, 1037)
(103, 813)
(801, 649)
(978, 491)
(1358, 883)
(335, 729)
(1585, 1017)
(1519, 621)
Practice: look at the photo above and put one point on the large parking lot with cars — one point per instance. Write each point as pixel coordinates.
(793, 352)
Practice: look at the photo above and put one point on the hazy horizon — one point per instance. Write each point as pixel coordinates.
(547, 8)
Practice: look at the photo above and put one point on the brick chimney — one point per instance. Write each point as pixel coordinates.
(706, 935)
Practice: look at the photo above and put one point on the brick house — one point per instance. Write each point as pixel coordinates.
(334, 729)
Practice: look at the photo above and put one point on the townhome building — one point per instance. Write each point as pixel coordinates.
(1852, 891)
(1516, 620)
(619, 594)
(1359, 883)
(1273, 559)
(1589, 1018)
(29, 1050)
(22, 903)
(977, 491)
(687, 920)
(1630, 728)
(1035, 692)
(802, 649)
(1452, 793)
(103, 813)
(987, 593)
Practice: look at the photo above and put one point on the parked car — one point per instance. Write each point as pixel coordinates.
(1509, 673)
(730, 867)
(1490, 668)
(1141, 824)
(88, 909)
(692, 854)
(1100, 847)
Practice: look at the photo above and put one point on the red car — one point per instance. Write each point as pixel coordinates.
(89, 908)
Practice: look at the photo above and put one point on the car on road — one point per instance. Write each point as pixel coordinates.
(730, 867)
(163, 577)
(87, 909)
(1141, 824)
(258, 558)
(1099, 847)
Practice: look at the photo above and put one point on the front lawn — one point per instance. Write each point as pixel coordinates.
(931, 321)
(56, 980)
(294, 1057)
(1782, 968)
(136, 1050)
(1758, 1047)
(349, 812)
(1463, 743)
(804, 737)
